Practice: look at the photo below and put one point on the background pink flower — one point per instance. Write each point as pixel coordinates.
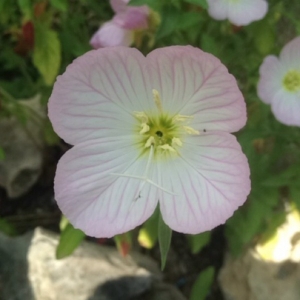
(238, 12)
(119, 31)
(279, 83)
(147, 130)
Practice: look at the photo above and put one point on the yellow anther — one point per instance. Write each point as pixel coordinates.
(182, 118)
(167, 147)
(145, 128)
(157, 100)
(150, 142)
(190, 130)
(141, 116)
(176, 142)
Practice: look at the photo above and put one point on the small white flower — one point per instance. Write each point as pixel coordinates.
(238, 12)
(279, 83)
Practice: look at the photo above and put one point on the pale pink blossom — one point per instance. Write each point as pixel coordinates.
(120, 30)
(238, 12)
(279, 83)
(149, 130)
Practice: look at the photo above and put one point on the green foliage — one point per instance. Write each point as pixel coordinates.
(61, 5)
(7, 228)
(148, 234)
(202, 3)
(154, 4)
(26, 8)
(203, 284)
(70, 239)
(198, 241)
(164, 240)
(47, 53)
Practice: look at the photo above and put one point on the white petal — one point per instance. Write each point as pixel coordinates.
(98, 93)
(94, 200)
(211, 181)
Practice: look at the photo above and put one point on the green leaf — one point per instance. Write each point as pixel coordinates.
(164, 240)
(198, 241)
(263, 35)
(51, 138)
(69, 240)
(47, 54)
(187, 20)
(170, 19)
(154, 4)
(148, 234)
(249, 220)
(26, 8)
(202, 3)
(61, 5)
(203, 284)
(7, 228)
(2, 154)
(295, 196)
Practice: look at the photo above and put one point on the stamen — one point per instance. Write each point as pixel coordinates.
(182, 118)
(141, 116)
(167, 147)
(176, 142)
(145, 178)
(145, 128)
(150, 141)
(190, 130)
(157, 100)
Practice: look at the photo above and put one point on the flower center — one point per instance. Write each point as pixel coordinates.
(162, 131)
(291, 81)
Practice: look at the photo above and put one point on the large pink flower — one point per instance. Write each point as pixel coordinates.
(147, 130)
(279, 83)
(119, 31)
(238, 12)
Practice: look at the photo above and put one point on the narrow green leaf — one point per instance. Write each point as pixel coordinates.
(47, 54)
(69, 240)
(198, 241)
(202, 3)
(164, 239)
(203, 284)
(61, 5)
(148, 234)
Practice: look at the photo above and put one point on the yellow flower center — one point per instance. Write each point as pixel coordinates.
(162, 131)
(291, 81)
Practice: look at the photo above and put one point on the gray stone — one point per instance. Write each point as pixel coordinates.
(30, 271)
(22, 144)
(269, 271)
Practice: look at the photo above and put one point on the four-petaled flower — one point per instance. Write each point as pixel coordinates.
(120, 30)
(279, 83)
(147, 130)
(238, 12)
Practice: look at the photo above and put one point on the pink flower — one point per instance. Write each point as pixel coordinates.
(238, 12)
(279, 83)
(120, 30)
(149, 130)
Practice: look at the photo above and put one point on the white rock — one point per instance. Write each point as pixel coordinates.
(266, 272)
